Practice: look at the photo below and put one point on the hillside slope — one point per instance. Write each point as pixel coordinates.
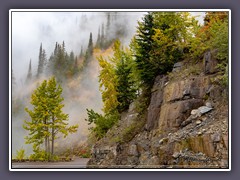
(184, 125)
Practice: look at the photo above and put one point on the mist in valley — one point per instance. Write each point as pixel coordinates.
(29, 30)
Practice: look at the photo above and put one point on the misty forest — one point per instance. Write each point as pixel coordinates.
(83, 85)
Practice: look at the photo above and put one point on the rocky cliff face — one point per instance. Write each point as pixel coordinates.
(184, 126)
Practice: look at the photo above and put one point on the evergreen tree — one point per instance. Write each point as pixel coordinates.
(116, 83)
(108, 26)
(89, 52)
(29, 75)
(160, 42)
(47, 118)
(98, 39)
(60, 62)
(102, 38)
(126, 85)
(108, 21)
(56, 49)
(81, 53)
(142, 46)
(117, 88)
(41, 61)
(71, 59)
(75, 67)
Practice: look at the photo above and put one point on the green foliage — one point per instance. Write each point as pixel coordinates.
(108, 85)
(126, 83)
(160, 42)
(117, 84)
(171, 36)
(212, 35)
(39, 155)
(219, 38)
(129, 132)
(62, 64)
(142, 45)
(47, 117)
(101, 123)
(20, 154)
(222, 78)
(89, 52)
(118, 89)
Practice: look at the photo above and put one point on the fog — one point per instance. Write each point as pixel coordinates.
(29, 30)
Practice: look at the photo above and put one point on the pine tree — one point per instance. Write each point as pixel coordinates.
(108, 26)
(117, 87)
(29, 75)
(142, 46)
(160, 42)
(81, 53)
(75, 67)
(41, 61)
(56, 49)
(126, 85)
(89, 52)
(71, 59)
(102, 38)
(47, 117)
(60, 62)
(98, 39)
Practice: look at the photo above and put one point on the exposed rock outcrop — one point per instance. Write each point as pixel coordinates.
(155, 103)
(210, 62)
(184, 126)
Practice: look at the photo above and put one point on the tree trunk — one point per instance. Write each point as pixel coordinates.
(53, 136)
(46, 138)
(48, 146)
(52, 141)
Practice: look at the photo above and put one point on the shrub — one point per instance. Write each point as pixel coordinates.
(20, 154)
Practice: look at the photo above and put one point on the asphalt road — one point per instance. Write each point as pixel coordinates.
(77, 163)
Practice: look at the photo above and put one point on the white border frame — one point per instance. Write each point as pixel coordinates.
(120, 10)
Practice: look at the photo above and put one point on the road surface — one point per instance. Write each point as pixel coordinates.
(77, 163)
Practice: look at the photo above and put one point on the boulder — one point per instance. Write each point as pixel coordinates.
(204, 109)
